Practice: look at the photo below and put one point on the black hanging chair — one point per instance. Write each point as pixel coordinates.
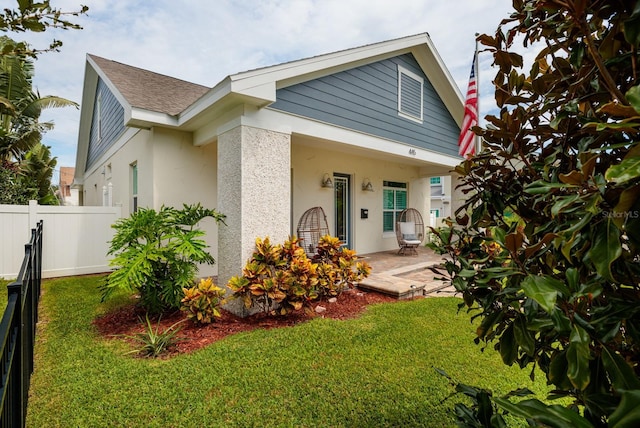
(409, 231)
(311, 227)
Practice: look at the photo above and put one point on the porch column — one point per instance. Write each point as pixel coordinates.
(254, 192)
(420, 197)
(457, 197)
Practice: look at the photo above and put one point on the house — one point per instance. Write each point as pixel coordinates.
(67, 195)
(357, 132)
(441, 192)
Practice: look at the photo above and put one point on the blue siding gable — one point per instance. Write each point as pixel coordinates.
(366, 99)
(107, 124)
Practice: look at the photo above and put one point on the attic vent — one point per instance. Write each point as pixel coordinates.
(410, 94)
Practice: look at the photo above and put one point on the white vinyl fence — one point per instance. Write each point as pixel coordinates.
(75, 239)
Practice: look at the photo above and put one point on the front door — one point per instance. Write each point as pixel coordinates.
(342, 198)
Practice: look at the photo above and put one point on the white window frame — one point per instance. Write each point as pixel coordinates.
(134, 174)
(419, 79)
(394, 210)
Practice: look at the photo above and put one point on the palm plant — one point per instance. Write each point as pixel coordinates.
(20, 129)
(21, 106)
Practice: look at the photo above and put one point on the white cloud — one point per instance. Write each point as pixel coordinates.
(203, 42)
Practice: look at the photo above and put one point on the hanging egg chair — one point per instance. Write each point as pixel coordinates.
(311, 227)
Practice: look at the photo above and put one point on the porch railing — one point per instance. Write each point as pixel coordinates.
(17, 334)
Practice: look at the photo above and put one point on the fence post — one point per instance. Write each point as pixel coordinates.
(16, 378)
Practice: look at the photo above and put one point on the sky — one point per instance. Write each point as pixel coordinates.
(203, 41)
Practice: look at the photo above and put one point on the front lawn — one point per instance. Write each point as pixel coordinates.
(373, 371)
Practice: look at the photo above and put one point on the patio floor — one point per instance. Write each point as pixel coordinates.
(405, 276)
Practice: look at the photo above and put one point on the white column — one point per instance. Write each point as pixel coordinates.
(420, 197)
(457, 197)
(254, 192)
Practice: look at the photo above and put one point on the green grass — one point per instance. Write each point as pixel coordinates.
(374, 371)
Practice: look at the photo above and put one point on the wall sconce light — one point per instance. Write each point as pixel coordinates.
(326, 181)
(367, 186)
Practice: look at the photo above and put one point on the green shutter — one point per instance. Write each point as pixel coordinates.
(401, 199)
(387, 221)
(387, 196)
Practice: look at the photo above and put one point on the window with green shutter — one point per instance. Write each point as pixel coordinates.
(394, 200)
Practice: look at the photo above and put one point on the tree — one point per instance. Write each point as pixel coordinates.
(545, 250)
(20, 105)
(12, 188)
(37, 171)
(36, 17)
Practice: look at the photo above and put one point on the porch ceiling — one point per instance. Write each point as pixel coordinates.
(427, 168)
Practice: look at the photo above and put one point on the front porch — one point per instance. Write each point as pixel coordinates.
(405, 277)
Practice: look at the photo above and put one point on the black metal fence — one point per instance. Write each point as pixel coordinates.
(17, 334)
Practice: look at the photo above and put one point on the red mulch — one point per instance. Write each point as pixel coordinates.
(126, 320)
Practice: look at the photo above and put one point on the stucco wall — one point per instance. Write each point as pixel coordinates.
(171, 171)
(254, 192)
(117, 171)
(186, 174)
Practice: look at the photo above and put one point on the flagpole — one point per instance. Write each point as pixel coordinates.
(478, 142)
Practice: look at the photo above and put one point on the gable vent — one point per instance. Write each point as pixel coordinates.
(410, 90)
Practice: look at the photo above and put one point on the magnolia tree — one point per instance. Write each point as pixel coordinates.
(545, 251)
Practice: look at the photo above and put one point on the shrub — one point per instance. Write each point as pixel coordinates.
(336, 267)
(283, 277)
(556, 288)
(277, 276)
(202, 301)
(155, 342)
(156, 254)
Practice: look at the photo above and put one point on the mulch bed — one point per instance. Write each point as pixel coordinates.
(126, 320)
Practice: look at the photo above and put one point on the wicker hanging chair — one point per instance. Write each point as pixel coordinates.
(409, 231)
(311, 227)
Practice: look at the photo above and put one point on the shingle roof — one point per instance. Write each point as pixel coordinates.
(148, 90)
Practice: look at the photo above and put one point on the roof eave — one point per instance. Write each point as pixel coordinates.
(142, 118)
(86, 116)
(258, 87)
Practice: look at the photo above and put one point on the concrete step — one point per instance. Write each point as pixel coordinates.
(392, 285)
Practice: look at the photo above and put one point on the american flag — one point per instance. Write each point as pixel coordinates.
(466, 141)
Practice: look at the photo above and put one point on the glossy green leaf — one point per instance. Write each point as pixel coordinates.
(628, 169)
(627, 414)
(551, 416)
(508, 346)
(623, 210)
(544, 290)
(563, 203)
(572, 279)
(557, 373)
(578, 356)
(523, 336)
(620, 372)
(541, 187)
(606, 248)
(633, 94)
(561, 322)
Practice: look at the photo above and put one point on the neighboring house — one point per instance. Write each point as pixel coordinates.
(440, 199)
(260, 145)
(67, 194)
